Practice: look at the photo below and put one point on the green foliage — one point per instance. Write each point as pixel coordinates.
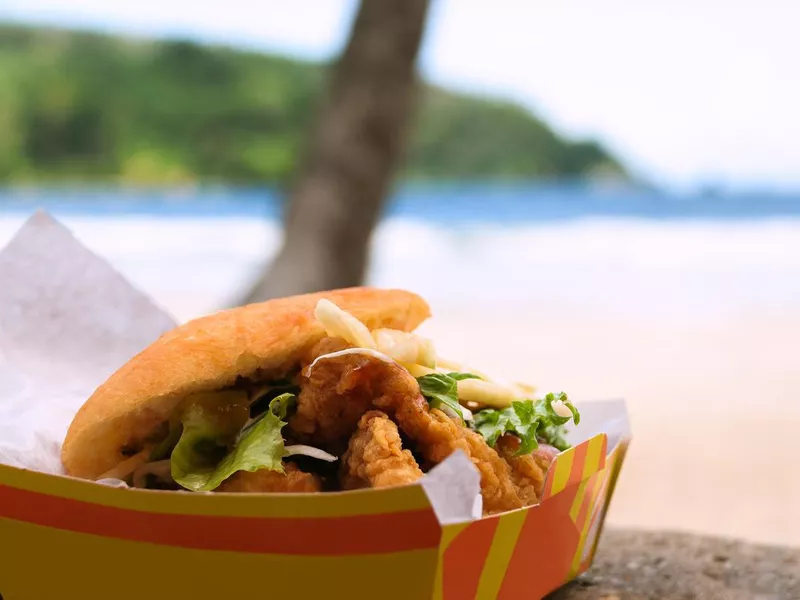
(201, 460)
(530, 420)
(87, 106)
(441, 390)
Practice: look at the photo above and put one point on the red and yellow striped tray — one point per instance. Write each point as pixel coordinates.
(530, 552)
(62, 537)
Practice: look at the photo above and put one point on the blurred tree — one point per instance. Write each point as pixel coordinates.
(356, 145)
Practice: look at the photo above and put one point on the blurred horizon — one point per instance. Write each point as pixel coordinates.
(720, 115)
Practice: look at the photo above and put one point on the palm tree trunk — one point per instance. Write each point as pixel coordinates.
(357, 143)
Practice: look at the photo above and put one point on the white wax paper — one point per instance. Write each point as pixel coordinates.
(67, 321)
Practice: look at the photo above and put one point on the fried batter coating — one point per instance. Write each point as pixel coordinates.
(326, 345)
(375, 456)
(338, 391)
(438, 436)
(292, 481)
(528, 476)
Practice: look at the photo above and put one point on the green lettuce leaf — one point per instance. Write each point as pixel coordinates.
(202, 459)
(441, 389)
(270, 392)
(530, 420)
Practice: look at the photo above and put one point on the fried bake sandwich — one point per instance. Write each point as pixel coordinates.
(313, 393)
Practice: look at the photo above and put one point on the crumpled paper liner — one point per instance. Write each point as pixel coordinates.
(68, 320)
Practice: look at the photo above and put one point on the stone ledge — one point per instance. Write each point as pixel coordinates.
(639, 565)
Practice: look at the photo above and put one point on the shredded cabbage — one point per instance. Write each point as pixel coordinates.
(309, 451)
(341, 324)
(124, 469)
(487, 393)
(346, 351)
(405, 347)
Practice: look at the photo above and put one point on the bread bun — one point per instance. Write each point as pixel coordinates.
(259, 341)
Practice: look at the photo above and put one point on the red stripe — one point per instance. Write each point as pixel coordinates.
(550, 475)
(600, 496)
(584, 566)
(543, 554)
(465, 557)
(601, 501)
(578, 463)
(597, 510)
(332, 536)
(575, 472)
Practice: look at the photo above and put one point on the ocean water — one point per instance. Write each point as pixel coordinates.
(594, 251)
(442, 203)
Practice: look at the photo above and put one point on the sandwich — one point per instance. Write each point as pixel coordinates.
(309, 394)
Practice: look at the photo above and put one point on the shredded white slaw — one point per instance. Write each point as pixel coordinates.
(346, 351)
(561, 409)
(127, 466)
(486, 393)
(341, 324)
(405, 347)
(308, 451)
(418, 355)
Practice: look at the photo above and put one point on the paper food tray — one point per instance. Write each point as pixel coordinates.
(67, 320)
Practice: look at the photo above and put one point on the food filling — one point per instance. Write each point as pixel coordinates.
(366, 409)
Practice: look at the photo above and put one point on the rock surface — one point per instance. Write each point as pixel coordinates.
(637, 565)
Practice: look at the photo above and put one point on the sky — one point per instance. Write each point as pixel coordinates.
(685, 92)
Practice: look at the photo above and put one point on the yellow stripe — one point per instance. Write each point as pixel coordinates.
(578, 501)
(612, 469)
(131, 568)
(611, 459)
(593, 456)
(605, 486)
(449, 533)
(577, 559)
(500, 552)
(329, 504)
(562, 471)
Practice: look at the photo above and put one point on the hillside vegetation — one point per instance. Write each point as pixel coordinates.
(82, 106)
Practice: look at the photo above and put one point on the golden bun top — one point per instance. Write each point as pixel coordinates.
(265, 340)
